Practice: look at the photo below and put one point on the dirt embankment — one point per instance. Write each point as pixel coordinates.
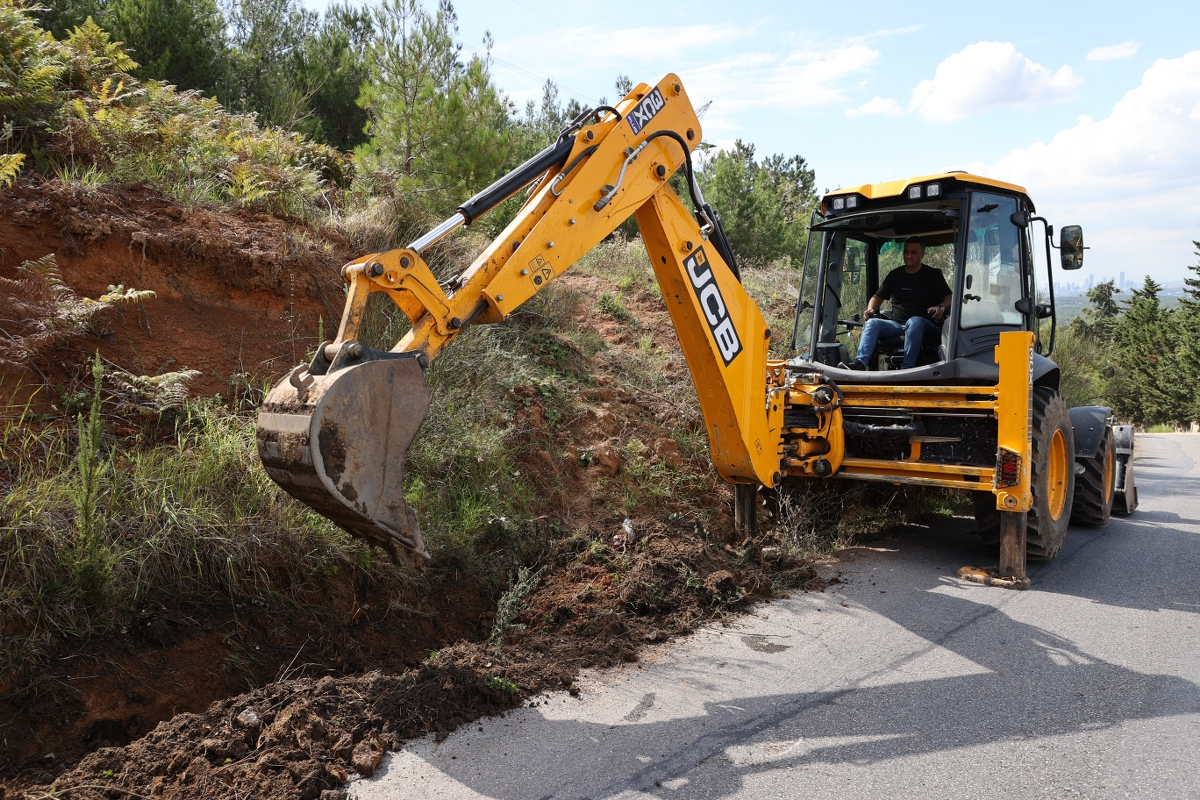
(237, 294)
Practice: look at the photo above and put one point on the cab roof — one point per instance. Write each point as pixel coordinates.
(879, 191)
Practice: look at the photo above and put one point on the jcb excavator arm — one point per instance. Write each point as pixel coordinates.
(334, 433)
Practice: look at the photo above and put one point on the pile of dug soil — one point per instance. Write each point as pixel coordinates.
(301, 738)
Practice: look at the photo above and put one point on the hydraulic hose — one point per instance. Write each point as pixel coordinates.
(705, 210)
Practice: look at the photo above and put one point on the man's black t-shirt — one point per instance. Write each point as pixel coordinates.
(912, 294)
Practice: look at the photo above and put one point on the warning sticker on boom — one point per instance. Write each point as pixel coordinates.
(539, 271)
(715, 312)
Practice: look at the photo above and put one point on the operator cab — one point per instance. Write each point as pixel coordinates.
(976, 232)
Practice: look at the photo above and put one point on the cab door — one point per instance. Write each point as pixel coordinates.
(994, 275)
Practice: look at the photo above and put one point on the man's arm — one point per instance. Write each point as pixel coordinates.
(883, 293)
(942, 309)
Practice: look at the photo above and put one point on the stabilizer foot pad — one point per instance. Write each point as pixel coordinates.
(991, 577)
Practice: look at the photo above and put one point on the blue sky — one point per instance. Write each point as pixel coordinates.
(1094, 107)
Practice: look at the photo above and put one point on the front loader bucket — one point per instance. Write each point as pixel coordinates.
(337, 442)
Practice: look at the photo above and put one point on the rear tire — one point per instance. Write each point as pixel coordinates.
(1094, 486)
(1053, 476)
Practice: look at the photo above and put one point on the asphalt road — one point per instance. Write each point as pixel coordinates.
(903, 682)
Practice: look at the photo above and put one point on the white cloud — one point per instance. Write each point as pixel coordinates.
(718, 62)
(1113, 51)
(1131, 179)
(987, 74)
(877, 105)
(619, 48)
(801, 79)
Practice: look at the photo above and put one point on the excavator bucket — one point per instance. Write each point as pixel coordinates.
(337, 443)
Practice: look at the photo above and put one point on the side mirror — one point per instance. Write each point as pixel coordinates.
(1071, 245)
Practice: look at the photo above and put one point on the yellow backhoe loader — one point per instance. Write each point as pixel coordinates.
(983, 414)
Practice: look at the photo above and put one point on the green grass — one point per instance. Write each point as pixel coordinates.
(92, 528)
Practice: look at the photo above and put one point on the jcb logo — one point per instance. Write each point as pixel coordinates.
(709, 295)
(644, 111)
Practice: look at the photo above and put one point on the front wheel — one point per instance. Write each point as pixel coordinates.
(1053, 475)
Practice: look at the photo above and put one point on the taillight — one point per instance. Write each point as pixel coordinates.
(1008, 468)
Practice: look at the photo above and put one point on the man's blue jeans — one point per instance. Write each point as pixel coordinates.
(915, 331)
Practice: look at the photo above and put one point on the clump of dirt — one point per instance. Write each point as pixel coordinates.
(177, 657)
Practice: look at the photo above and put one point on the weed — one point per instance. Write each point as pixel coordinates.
(512, 603)
(48, 313)
(611, 305)
(89, 558)
(500, 684)
(89, 536)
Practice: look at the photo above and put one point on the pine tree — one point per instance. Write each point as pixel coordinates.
(764, 207)
(438, 123)
(59, 17)
(267, 39)
(333, 71)
(1100, 316)
(177, 41)
(1144, 389)
(1185, 366)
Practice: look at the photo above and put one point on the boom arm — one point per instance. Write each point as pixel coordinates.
(613, 169)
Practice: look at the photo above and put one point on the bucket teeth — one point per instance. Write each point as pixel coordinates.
(337, 443)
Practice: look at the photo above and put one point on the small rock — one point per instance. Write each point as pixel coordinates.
(248, 719)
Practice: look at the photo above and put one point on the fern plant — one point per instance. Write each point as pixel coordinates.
(10, 167)
(49, 313)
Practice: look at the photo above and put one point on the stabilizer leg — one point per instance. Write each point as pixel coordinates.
(745, 509)
(1011, 573)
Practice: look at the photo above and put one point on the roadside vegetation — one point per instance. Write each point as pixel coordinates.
(124, 488)
(1136, 356)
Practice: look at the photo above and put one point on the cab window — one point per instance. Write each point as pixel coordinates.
(992, 272)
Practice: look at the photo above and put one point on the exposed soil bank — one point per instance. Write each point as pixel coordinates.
(238, 294)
